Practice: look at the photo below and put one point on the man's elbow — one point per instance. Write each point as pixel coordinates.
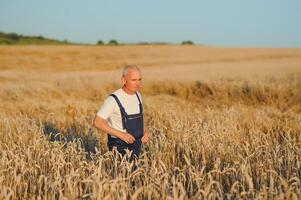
(97, 122)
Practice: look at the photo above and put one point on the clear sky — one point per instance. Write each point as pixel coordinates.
(250, 23)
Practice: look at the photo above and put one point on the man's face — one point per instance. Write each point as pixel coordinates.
(132, 80)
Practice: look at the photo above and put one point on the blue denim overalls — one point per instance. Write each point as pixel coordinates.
(133, 124)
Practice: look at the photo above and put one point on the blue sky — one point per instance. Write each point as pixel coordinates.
(249, 23)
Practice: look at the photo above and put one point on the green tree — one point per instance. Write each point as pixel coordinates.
(113, 42)
(13, 36)
(100, 42)
(40, 37)
(187, 42)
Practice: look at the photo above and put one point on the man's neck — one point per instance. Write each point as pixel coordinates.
(127, 91)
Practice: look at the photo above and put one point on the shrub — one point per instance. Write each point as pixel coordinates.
(100, 42)
(13, 36)
(187, 42)
(113, 42)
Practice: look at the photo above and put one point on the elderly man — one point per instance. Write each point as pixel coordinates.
(121, 115)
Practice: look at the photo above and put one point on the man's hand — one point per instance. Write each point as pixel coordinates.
(144, 138)
(104, 126)
(126, 137)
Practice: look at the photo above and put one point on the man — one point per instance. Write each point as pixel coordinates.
(121, 115)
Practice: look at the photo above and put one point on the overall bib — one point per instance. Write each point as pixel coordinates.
(133, 124)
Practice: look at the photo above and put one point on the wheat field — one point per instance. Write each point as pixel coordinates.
(224, 123)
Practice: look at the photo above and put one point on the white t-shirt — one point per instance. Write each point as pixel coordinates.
(111, 112)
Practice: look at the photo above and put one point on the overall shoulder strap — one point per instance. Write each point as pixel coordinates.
(122, 111)
(119, 104)
(140, 104)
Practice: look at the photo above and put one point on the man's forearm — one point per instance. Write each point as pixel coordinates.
(104, 126)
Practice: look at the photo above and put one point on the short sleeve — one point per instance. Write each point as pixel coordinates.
(107, 109)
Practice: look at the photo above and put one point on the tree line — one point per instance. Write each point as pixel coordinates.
(115, 42)
(14, 38)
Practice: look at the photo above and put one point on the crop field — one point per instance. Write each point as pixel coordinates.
(224, 123)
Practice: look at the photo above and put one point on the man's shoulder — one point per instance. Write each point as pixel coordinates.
(110, 99)
(117, 92)
(120, 94)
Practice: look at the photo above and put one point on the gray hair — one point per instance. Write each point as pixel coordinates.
(129, 67)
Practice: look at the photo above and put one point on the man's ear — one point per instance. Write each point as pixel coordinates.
(123, 80)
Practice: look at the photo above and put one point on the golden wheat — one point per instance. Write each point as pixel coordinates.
(223, 138)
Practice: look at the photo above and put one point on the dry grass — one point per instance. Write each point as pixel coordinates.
(229, 136)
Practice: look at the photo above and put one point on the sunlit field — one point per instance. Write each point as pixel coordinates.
(224, 123)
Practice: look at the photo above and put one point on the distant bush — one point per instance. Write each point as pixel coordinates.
(153, 43)
(13, 36)
(113, 42)
(40, 37)
(187, 42)
(143, 43)
(100, 42)
(6, 41)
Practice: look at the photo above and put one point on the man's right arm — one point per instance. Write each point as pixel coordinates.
(103, 125)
